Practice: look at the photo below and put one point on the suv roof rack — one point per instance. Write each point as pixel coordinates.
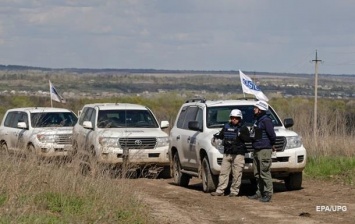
(247, 98)
(202, 100)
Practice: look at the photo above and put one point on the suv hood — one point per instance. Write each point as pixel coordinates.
(131, 132)
(281, 131)
(53, 130)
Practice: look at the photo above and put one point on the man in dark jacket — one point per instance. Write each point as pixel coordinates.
(234, 135)
(263, 143)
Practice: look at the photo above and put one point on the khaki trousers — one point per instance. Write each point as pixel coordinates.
(231, 163)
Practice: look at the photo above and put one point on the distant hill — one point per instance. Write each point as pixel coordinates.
(155, 71)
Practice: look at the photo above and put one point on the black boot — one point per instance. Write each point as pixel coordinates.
(255, 197)
(265, 198)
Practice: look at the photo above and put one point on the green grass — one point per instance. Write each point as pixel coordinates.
(331, 168)
(48, 193)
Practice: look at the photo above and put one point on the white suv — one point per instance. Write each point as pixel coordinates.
(116, 133)
(47, 131)
(192, 153)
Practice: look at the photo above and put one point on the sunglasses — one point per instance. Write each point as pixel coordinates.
(235, 118)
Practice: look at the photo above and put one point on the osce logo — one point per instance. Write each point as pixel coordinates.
(250, 85)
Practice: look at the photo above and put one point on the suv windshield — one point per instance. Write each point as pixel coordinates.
(126, 118)
(218, 116)
(53, 119)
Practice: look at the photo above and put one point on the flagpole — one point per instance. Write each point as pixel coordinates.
(50, 93)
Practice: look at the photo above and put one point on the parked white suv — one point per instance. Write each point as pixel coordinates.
(193, 154)
(117, 133)
(47, 131)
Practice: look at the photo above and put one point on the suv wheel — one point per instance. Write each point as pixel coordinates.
(87, 165)
(3, 147)
(294, 181)
(180, 178)
(165, 173)
(209, 181)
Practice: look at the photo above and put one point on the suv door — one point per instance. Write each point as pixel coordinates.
(81, 133)
(23, 135)
(189, 157)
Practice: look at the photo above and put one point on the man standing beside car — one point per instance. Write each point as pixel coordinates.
(263, 137)
(234, 135)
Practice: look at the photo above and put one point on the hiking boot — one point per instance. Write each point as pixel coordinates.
(233, 195)
(265, 198)
(216, 194)
(254, 197)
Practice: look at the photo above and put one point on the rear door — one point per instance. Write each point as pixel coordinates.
(14, 136)
(8, 130)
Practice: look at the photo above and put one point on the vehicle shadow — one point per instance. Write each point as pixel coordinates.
(246, 188)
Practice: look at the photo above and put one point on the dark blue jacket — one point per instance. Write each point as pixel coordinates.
(265, 136)
(234, 137)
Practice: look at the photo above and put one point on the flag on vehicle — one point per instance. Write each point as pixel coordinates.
(54, 94)
(250, 87)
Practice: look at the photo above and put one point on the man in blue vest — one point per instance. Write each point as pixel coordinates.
(263, 137)
(234, 134)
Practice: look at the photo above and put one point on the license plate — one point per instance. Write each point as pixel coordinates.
(67, 148)
(139, 156)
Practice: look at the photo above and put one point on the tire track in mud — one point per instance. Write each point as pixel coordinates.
(174, 204)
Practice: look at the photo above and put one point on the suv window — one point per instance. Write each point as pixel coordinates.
(9, 121)
(181, 118)
(218, 116)
(190, 116)
(86, 115)
(53, 119)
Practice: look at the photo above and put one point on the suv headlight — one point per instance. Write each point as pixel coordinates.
(47, 138)
(162, 141)
(108, 141)
(217, 143)
(293, 142)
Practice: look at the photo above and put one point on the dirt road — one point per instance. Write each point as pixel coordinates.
(315, 203)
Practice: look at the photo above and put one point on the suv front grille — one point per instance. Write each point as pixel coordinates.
(64, 139)
(279, 145)
(137, 143)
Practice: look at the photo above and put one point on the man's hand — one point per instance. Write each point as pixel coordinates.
(273, 148)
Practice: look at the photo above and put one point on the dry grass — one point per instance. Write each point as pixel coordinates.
(334, 135)
(54, 192)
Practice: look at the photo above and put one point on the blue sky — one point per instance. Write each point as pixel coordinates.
(253, 35)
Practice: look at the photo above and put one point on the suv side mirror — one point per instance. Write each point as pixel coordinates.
(87, 124)
(288, 122)
(164, 124)
(22, 125)
(194, 125)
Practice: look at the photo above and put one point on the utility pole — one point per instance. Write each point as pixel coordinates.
(315, 98)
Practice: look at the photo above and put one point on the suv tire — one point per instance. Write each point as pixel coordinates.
(3, 148)
(209, 181)
(180, 178)
(294, 181)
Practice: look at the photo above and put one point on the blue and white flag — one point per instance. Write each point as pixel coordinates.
(54, 94)
(249, 87)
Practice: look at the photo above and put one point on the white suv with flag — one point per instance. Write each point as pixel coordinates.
(114, 134)
(193, 153)
(46, 131)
